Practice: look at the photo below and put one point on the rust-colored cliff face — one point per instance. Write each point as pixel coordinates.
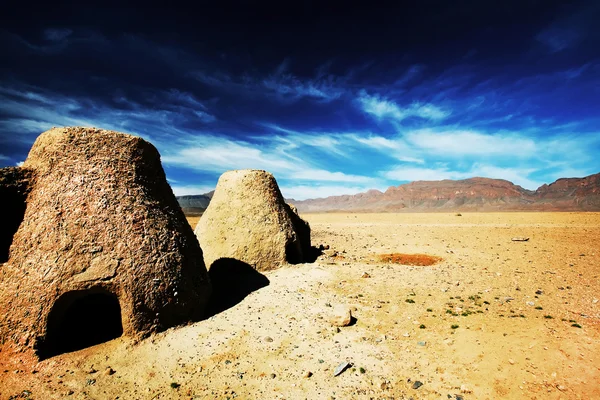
(476, 194)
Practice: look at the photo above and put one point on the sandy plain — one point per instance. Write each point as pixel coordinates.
(495, 319)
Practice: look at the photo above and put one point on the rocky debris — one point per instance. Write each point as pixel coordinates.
(417, 384)
(520, 239)
(341, 368)
(101, 220)
(307, 374)
(248, 220)
(109, 371)
(342, 316)
(365, 275)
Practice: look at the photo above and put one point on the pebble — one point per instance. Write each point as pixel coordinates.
(530, 303)
(272, 376)
(417, 384)
(511, 361)
(464, 389)
(268, 339)
(365, 275)
(109, 371)
(342, 317)
(422, 343)
(341, 368)
(307, 374)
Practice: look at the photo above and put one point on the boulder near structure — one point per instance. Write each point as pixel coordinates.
(249, 221)
(102, 248)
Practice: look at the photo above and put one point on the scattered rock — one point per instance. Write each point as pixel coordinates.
(511, 361)
(520, 239)
(273, 376)
(341, 368)
(417, 384)
(109, 371)
(268, 339)
(330, 253)
(539, 292)
(342, 317)
(365, 275)
(422, 343)
(307, 374)
(465, 389)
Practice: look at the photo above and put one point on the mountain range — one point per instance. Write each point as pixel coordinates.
(474, 194)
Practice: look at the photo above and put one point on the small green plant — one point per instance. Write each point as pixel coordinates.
(411, 301)
(421, 326)
(362, 370)
(175, 385)
(576, 325)
(539, 308)
(454, 326)
(548, 317)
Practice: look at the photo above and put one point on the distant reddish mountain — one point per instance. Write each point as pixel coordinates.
(475, 194)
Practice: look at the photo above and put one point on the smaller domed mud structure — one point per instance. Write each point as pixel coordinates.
(98, 248)
(249, 221)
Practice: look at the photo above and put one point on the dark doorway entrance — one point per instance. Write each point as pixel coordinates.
(81, 319)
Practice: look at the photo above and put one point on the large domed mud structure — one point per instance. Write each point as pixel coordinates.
(99, 247)
(249, 221)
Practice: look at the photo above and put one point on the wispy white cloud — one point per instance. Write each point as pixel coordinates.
(186, 190)
(292, 87)
(407, 174)
(302, 192)
(518, 176)
(399, 149)
(216, 154)
(464, 142)
(383, 108)
(558, 39)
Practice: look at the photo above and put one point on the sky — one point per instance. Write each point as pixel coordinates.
(332, 99)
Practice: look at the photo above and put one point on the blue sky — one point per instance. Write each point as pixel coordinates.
(331, 101)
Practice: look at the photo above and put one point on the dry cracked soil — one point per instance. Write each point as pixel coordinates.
(494, 319)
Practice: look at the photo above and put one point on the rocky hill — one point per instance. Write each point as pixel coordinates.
(195, 204)
(474, 194)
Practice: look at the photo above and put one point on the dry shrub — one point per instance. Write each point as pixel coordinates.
(410, 259)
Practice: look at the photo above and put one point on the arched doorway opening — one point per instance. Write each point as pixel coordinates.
(81, 319)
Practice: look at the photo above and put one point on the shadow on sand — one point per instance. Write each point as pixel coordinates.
(232, 280)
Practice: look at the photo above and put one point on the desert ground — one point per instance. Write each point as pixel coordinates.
(494, 319)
